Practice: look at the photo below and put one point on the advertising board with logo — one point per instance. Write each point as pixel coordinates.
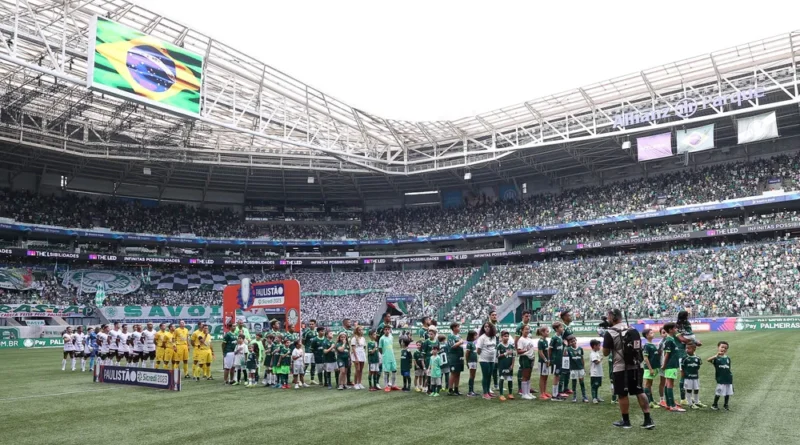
(147, 377)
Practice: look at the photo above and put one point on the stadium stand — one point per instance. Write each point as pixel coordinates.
(711, 282)
(759, 277)
(718, 182)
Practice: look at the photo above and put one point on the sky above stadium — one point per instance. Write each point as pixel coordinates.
(432, 60)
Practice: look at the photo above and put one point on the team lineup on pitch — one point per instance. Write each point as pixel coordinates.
(435, 364)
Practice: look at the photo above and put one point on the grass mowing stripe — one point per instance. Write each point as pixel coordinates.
(7, 399)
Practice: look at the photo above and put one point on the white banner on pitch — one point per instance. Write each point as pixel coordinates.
(757, 128)
(695, 139)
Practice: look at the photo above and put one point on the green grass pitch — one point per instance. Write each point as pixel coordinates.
(41, 404)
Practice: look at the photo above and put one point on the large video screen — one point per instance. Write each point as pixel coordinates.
(128, 63)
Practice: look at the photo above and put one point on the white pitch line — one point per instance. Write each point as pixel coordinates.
(8, 399)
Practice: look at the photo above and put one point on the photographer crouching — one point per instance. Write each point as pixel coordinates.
(626, 345)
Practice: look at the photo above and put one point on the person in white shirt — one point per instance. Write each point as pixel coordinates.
(596, 369)
(79, 340)
(358, 355)
(69, 349)
(239, 352)
(124, 348)
(137, 353)
(486, 347)
(103, 343)
(527, 357)
(298, 365)
(148, 338)
(113, 346)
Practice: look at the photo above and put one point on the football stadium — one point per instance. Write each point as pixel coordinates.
(183, 225)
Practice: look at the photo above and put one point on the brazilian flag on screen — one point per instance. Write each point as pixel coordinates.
(130, 62)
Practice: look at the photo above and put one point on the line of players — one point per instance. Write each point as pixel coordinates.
(558, 356)
(165, 348)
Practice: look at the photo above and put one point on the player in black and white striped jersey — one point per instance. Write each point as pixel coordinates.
(69, 349)
(137, 346)
(79, 342)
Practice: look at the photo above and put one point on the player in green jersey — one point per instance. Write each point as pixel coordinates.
(690, 371)
(268, 375)
(652, 365)
(472, 361)
(723, 375)
(342, 359)
(405, 364)
(329, 348)
(309, 333)
(276, 360)
(670, 366)
(283, 360)
(318, 353)
(577, 368)
(556, 354)
(252, 365)
(505, 363)
(419, 368)
(373, 360)
(566, 319)
(228, 346)
(455, 357)
(544, 361)
(444, 352)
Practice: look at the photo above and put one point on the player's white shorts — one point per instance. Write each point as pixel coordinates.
(472, 365)
(579, 374)
(374, 367)
(330, 367)
(309, 358)
(228, 361)
(544, 369)
(691, 384)
(298, 369)
(722, 390)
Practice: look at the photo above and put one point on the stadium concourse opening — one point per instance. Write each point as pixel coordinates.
(249, 297)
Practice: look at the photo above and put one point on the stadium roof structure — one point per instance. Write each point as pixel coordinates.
(262, 131)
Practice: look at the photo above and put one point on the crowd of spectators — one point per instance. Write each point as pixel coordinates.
(753, 278)
(718, 182)
(360, 308)
(749, 279)
(358, 295)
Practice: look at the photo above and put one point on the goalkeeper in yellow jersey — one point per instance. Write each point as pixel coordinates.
(181, 338)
